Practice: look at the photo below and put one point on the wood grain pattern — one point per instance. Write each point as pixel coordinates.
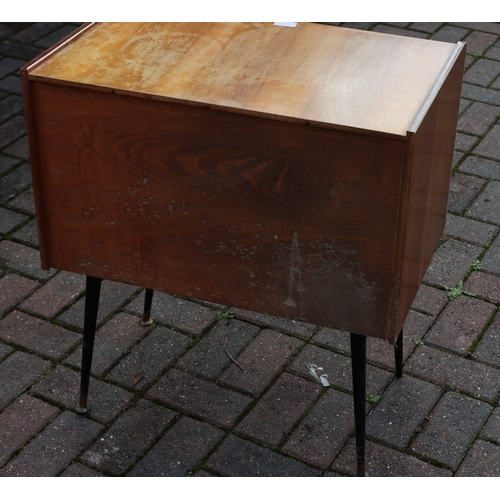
(300, 172)
(430, 162)
(324, 74)
(223, 207)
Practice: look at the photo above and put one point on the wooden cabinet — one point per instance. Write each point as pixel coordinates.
(301, 171)
(297, 171)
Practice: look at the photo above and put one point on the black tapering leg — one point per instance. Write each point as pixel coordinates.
(398, 353)
(148, 300)
(92, 294)
(358, 357)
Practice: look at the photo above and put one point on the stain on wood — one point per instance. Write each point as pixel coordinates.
(269, 168)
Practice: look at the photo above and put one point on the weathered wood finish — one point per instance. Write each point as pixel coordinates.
(322, 74)
(307, 205)
(430, 159)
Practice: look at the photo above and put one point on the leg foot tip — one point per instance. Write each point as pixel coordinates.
(149, 322)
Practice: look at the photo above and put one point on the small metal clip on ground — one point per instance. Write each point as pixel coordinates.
(321, 379)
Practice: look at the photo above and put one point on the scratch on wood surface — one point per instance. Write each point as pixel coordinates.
(295, 283)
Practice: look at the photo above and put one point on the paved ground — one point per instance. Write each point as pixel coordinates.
(194, 411)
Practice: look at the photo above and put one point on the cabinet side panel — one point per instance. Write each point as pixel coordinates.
(35, 176)
(431, 162)
(285, 219)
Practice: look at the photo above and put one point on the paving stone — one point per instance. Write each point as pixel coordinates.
(358, 26)
(14, 182)
(113, 296)
(21, 421)
(239, 458)
(450, 370)
(394, 30)
(488, 27)
(478, 118)
(401, 410)
(28, 234)
(494, 53)
(128, 438)
(491, 259)
(176, 312)
(473, 92)
(490, 145)
(119, 334)
(185, 445)
(35, 32)
(322, 433)
(10, 106)
(12, 129)
(261, 361)
(37, 335)
(450, 34)
(56, 294)
(6, 31)
(465, 142)
(200, 398)
(296, 328)
(479, 41)
(62, 385)
(469, 230)
(460, 324)
(482, 72)
(491, 431)
(463, 189)
(210, 357)
(203, 473)
(55, 447)
(338, 369)
(17, 373)
(377, 350)
(19, 148)
(80, 470)
(9, 65)
(488, 349)
(464, 104)
(7, 163)
(11, 84)
(334, 339)
(414, 328)
(55, 36)
(451, 262)
(448, 435)
(486, 206)
(430, 300)
(481, 166)
(18, 50)
(13, 288)
(484, 286)
(279, 409)
(148, 359)
(24, 201)
(483, 460)
(429, 27)
(23, 259)
(9, 220)
(5, 350)
(386, 462)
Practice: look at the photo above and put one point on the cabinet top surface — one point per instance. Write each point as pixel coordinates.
(308, 73)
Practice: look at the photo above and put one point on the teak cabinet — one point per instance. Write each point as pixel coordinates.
(301, 172)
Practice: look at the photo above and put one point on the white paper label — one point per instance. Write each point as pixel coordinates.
(289, 25)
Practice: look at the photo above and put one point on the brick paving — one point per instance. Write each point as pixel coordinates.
(168, 399)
